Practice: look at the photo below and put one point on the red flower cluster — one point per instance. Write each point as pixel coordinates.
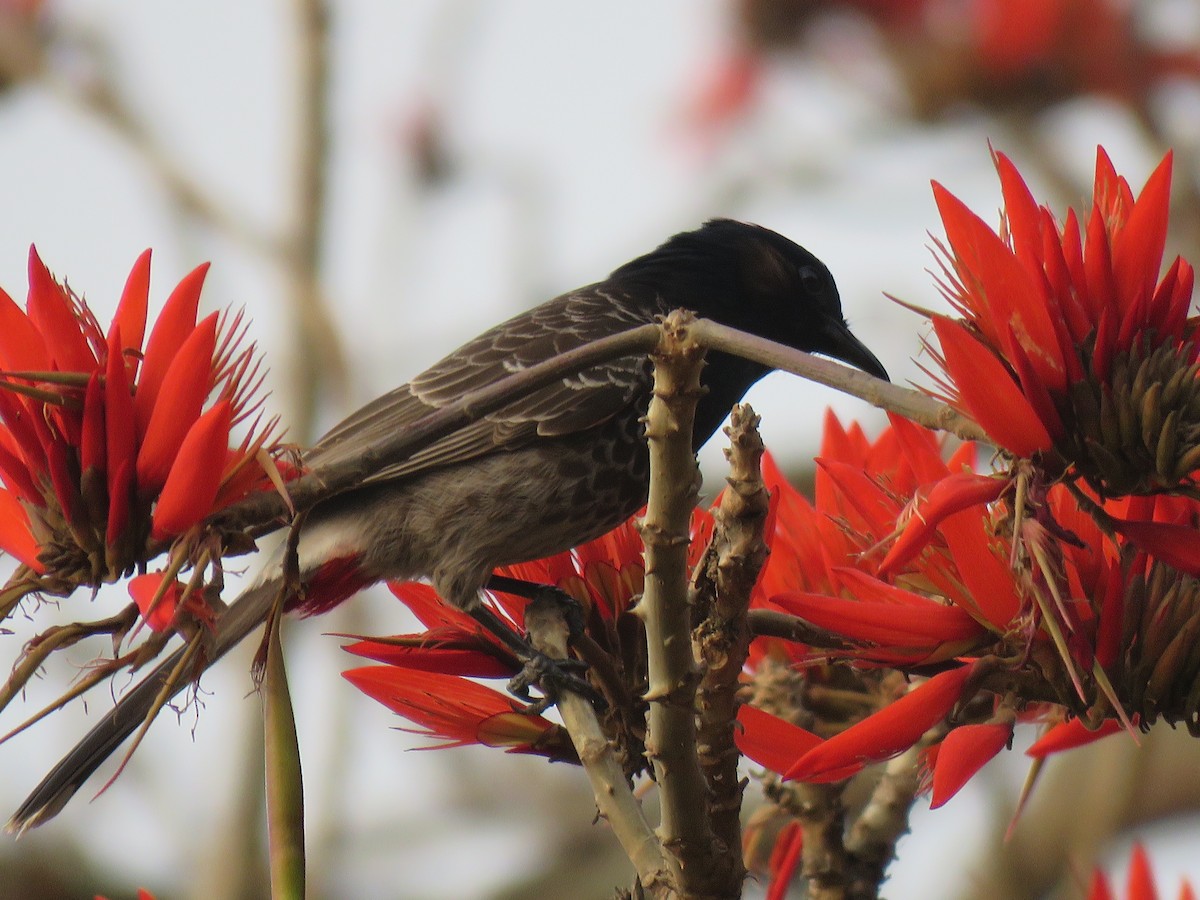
(111, 444)
(427, 677)
(1051, 580)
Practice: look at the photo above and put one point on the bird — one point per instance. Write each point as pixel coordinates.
(552, 469)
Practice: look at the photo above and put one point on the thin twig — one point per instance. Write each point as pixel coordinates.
(771, 623)
(880, 394)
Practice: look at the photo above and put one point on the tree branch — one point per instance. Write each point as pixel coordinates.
(656, 869)
(909, 403)
(315, 339)
(721, 587)
(672, 676)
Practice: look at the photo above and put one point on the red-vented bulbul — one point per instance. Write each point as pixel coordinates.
(545, 473)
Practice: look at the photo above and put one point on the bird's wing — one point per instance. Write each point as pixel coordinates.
(568, 406)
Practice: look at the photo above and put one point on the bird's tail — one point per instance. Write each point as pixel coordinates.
(131, 711)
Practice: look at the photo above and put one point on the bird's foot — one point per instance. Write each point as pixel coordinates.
(551, 676)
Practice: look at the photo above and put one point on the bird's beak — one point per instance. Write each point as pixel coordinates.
(842, 345)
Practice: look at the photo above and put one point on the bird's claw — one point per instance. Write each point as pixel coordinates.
(552, 677)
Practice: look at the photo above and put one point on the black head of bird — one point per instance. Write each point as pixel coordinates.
(756, 280)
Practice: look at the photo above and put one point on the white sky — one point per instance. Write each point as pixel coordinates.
(566, 124)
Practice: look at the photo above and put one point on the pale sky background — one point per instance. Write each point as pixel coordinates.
(567, 126)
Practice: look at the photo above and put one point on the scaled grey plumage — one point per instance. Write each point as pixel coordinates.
(550, 470)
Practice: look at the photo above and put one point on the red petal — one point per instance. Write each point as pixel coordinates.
(1021, 212)
(770, 741)
(21, 346)
(130, 318)
(1036, 392)
(16, 538)
(904, 620)
(920, 447)
(1072, 246)
(187, 382)
(861, 495)
(1097, 267)
(1169, 306)
(118, 413)
(1099, 888)
(988, 392)
(23, 434)
(954, 493)
(64, 474)
(15, 474)
(143, 588)
(175, 324)
(459, 710)
(1069, 735)
(888, 732)
(964, 752)
(120, 498)
(994, 596)
(1140, 885)
(428, 652)
(786, 855)
(1010, 297)
(1176, 545)
(51, 312)
(1110, 629)
(190, 488)
(1138, 248)
(1064, 288)
(92, 457)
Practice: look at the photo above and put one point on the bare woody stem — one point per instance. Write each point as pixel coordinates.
(872, 838)
(721, 588)
(672, 675)
(656, 870)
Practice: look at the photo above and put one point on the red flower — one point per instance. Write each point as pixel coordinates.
(454, 710)
(962, 753)
(109, 450)
(454, 643)
(1071, 348)
(159, 601)
(887, 733)
(770, 741)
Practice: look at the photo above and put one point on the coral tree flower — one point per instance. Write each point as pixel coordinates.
(454, 710)
(1071, 573)
(113, 444)
(1072, 349)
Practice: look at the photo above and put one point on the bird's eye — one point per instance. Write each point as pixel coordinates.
(811, 280)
